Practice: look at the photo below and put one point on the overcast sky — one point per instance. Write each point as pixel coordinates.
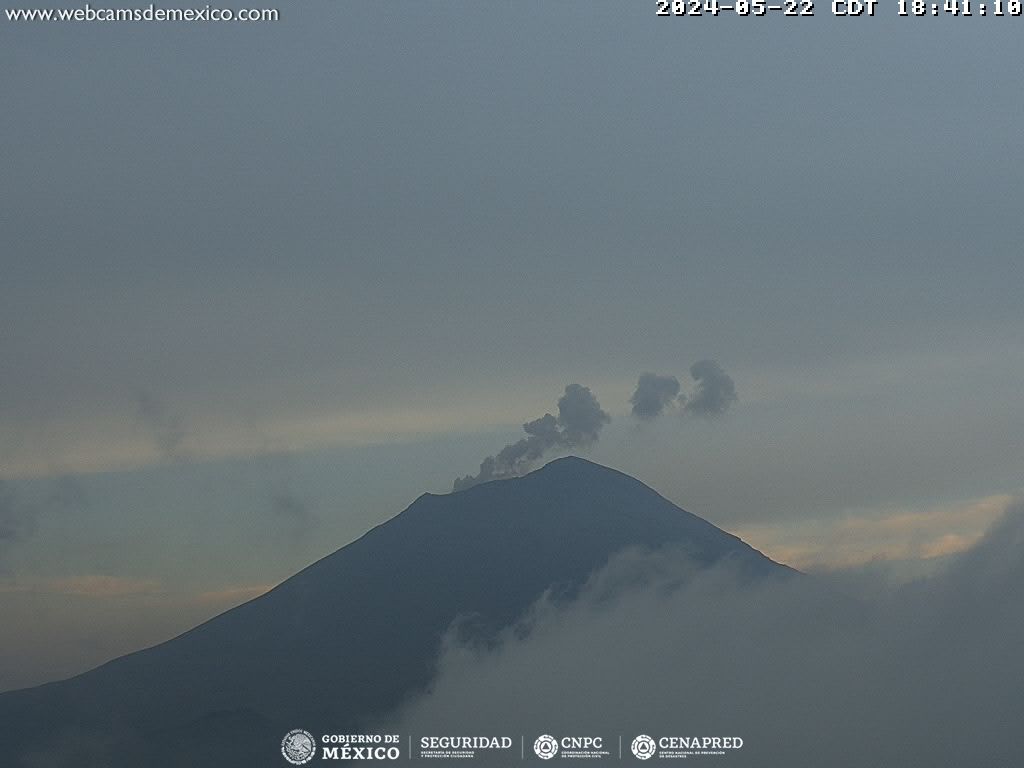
(264, 284)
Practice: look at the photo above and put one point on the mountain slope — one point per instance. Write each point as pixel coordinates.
(346, 639)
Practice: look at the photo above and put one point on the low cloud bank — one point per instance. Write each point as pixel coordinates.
(928, 674)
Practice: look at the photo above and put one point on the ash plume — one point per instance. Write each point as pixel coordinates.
(716, 390)
(713, 396)
(654, 393)
(578, 424)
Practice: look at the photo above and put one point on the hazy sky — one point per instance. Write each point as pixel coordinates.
(264, 284)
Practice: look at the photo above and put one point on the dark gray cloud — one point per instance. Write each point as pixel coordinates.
(715, 390)
(580, 416)
(286, 505)
(165, 426)
(654, 393)
(578, 425)
(20, 515)
(16, 520)
(929, 672)
(714, 394)
(287, 498)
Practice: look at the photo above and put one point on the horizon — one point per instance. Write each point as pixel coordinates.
(520, 573)
(890, 570)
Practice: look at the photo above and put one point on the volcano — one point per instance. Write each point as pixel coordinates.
(344, 642)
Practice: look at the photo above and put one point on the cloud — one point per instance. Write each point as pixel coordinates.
(580, 416)
(578, 425)
(19, 516)
(293, 514)
(920, 675)
(100, 585)
(87, 585)
(17, 520)
(653, 395)
(894, 535)
(165, 427)
(293, 511)
(715, 392)
(288, 506)
(233, 595)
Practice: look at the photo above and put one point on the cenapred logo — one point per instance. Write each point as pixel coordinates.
(298, 746)
(644, 747)
(546, 747)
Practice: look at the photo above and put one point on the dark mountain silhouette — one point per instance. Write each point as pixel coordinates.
(344, 641)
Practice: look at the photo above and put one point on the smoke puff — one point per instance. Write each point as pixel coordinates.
(580, 416)
(19, 517)
(715, 390)
(653, 394)
(546, 428)
(578, 424)
(288, 506)
(165, 427)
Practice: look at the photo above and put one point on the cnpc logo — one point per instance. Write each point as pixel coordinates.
(548, 746)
